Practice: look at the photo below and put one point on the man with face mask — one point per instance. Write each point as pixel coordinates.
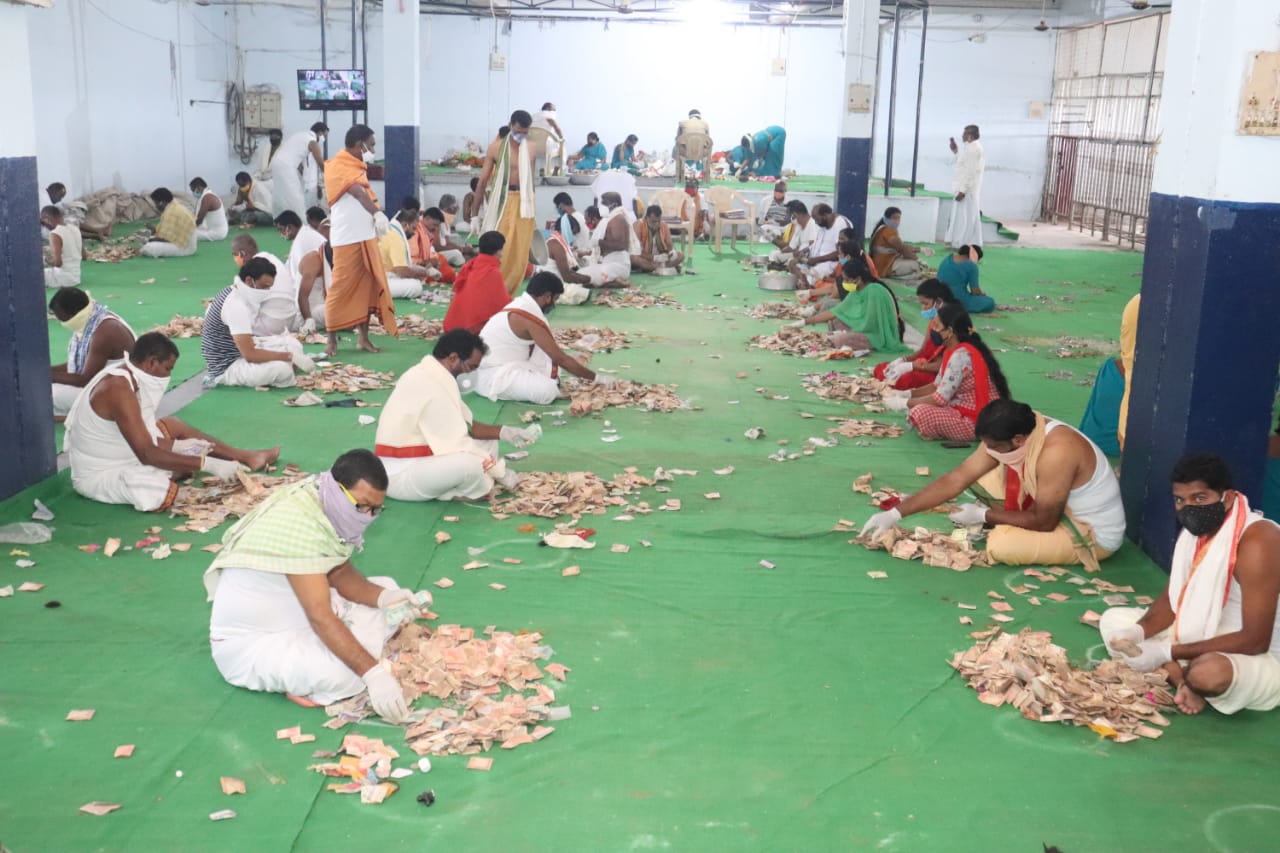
(453, 252)
(965, 227)
(359, 285)
(433, 238)
(523, 360)
(291, 612)
(97, 337)
(432, 446)
(211, 213)
(774, 215)
(404, 278)
(277, 312)
(121, 453)
(294, 166)
(566, 216)
(175, 234)
(253, 201)
(611, 240)
(266, 153)
(233, 352)
(819, 260)
(1054, 497)
(1214, 628)
(315, 269)
(509, 203)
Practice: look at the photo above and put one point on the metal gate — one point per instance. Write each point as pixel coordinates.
(1102, 142)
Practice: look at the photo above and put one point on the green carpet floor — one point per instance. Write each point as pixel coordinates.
(717, 705)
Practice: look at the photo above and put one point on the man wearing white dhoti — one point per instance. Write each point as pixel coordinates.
(300, 151)
(175, 234)
(523, 361)
(1214, 628)
(404, 278)
(965, 228)
(120, 453)
(211, 214)
(97, 337)
(291, 613)
(432, 446)
(66, 251)
(234, 352)
(611, 238)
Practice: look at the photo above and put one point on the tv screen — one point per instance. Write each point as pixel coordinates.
(329, 89)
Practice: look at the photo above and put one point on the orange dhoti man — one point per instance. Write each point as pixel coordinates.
(358, 288)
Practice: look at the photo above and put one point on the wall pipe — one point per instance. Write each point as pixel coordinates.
(915, 147)
(893, 99)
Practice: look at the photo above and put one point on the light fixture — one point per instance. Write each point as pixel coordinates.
(1042, 27)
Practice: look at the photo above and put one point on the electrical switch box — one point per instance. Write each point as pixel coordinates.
(859, 98)
(497, 62)
(1260, 98)
(780, 67)
(262, 111)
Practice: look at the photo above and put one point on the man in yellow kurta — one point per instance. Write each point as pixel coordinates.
(359, 285)
(509, 204)
(175, 233)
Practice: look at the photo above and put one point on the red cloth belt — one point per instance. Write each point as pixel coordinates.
(390, 452)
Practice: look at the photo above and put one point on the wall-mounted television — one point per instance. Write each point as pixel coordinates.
(332, 89)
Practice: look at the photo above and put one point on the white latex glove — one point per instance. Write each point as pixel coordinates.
(308, 326)
(303, 363)
(220, 469)
(517, 437)
(385, 694)
(1155, 653)
(882, 521)
(897, 369)
(192, 446)
(795, 324)
(606, 379)
(433, 273)
(380, 223)
(808, 310)
(895, 403)
(969, 514)
(1133, 634)
(509, 480)
(391, 597)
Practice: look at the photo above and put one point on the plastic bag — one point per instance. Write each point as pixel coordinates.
(26, 533)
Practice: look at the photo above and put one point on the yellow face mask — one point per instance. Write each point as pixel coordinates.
(77, 323)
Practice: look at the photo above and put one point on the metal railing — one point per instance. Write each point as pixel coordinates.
(1102, 186)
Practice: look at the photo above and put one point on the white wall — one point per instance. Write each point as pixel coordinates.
(113, 80)
(634, 78)
(990, 83)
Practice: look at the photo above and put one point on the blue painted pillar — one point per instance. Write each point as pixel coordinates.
(853, 149)
(26, 414)
(401, 99)
(1209, 325)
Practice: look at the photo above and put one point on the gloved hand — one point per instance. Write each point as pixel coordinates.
(969, 514)
(391, 597)
(308, 326)
(795, 324)
(882, 521)
(192, 446)
(509, 480)
(303, 363)
(220, 469)
(381, 223)
(1155, 653)
(606, 379)
(385, 694)
(896, 403)
(517, 437)
(896, 370)
(433, 273)
(1134, 634)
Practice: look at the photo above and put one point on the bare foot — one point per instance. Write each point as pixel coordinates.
(1188, 701)
(259, 459)
(302, 700)
(367, 345)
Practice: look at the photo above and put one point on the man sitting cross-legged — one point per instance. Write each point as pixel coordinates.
(121, 453)
(523, 361)
(1214, 628)
(291, 613)
(431, 444)
(1056, 499)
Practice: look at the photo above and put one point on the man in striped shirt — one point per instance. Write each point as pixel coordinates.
(232, 353)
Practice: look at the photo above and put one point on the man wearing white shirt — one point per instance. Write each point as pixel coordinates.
(545, 119)
(278, 309)
(797, 238)
(304, 238)
(233, 352)
(820, 260)
(298, 153)
(965, 228)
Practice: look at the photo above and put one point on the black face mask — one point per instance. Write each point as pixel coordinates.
(1203, 520)
(935, 338)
